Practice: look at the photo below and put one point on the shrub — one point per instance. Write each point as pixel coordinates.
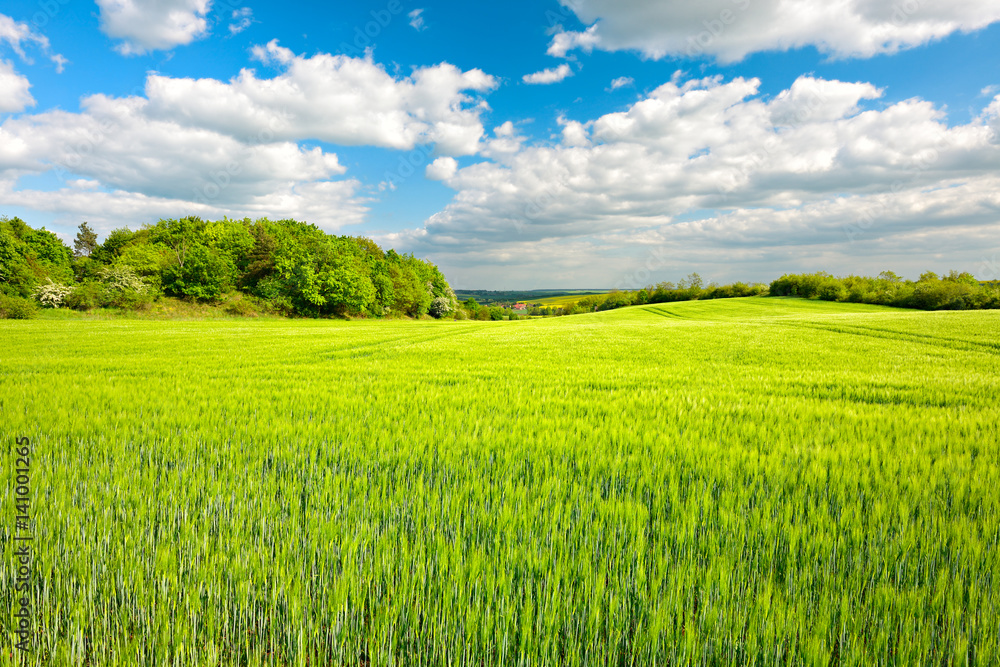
(833, 290)
(242, 307)
(122, 278)
(52, 294)
(86, 296)
(614, 300)
(16, 308)
(124, 289)
(440, 307)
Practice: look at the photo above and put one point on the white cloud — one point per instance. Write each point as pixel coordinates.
(574, 133)
(442, 168)
(505, 143)
(14, 95)
(991, 116)
(564, 42)
(330, 205)
(731, 29)
(342, 100)
(621, 82)
(547, 76)
(215, 148)
(153, 25)
(951, 227)
(757, 174)
(117, 142)
(242, 19)
(819, 100)
(18, 35)
(417, 20)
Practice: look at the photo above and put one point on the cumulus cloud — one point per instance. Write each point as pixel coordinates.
(342, 100)
(330, 205)
(621, 82)
(118, 142)
(17, 35)
(242, 19)
(729, 30)
(14, 95)
(442, 168)
(564, 42)
(143, 160)
(806, 167)
(547, 76)
(506, 142)
(153, 25)
(417, 20)
(236, 148)
(941, 228)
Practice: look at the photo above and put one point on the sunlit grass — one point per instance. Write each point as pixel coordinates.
(745, 481)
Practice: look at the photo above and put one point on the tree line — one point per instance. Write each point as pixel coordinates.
(251, 266)
(293, 268)
(686, 289)
(953, 291)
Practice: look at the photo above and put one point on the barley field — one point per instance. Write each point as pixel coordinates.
(733, 482)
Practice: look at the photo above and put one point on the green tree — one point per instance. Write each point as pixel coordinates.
(346, 288)
(29, 256)
(85, 241)
(205, 274)
(113, 245)
(890, 277)
(181, 236)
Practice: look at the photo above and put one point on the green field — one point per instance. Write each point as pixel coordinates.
(733, 482)
(564, 300)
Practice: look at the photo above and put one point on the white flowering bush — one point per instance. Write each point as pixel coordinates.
(124, 289)
(52, 294)
(440, 307)
(122, 279)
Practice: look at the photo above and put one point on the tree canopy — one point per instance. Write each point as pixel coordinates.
(289, 266)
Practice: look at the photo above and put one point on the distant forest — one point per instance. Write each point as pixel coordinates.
(954, 291)
(511, 297)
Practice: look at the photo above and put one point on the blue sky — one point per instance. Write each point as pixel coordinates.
(582, 143)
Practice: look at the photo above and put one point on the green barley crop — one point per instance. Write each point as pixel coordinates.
(747, 481)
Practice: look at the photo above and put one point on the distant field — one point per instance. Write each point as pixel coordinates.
(732, 482)
(564, 300)
(531, 296)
